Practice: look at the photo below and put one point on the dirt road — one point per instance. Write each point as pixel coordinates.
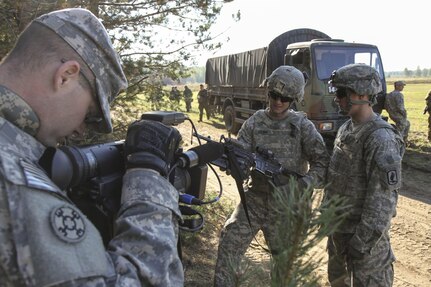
(410, 232)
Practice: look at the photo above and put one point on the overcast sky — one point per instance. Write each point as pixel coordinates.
(400, 29)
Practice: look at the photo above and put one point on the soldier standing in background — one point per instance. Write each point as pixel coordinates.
(56, 82)
(174, 97)
(428, 109)
(188, 98)
(365, 169)
(394, 105)
(203, 103)
(298, 146)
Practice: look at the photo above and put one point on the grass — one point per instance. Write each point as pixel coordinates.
(414, 100)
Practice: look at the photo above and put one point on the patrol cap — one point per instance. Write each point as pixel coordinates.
(89, 38)
(361, 78)
(400, 83)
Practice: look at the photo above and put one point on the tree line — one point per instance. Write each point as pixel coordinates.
(407, 73)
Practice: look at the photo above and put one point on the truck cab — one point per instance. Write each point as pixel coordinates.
(319, 58)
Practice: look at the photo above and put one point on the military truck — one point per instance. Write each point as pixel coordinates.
(234, 81)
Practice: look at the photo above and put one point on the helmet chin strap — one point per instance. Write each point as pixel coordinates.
(359, 102)
(351, 102)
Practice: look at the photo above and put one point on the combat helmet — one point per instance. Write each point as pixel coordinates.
(288, 82)
(361, 78)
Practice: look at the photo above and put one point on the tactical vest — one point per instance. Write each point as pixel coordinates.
(347, 172)
(283, 138)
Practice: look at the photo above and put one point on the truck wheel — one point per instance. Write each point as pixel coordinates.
(229, 120)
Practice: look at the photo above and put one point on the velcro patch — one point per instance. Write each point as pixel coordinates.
(392, 177)
(68, 224)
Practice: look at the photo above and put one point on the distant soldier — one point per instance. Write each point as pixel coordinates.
(428, 109)
(174, 97)
(394, 105)
(203, 103)
(211, 105)
(188, 98)
(156, 97)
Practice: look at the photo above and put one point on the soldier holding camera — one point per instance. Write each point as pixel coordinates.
(56, 82)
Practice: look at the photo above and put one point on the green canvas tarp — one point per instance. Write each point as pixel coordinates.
(250, 68)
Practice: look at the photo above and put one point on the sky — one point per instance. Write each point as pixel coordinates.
(400, 29)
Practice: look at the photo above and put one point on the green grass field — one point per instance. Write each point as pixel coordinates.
(414, 100)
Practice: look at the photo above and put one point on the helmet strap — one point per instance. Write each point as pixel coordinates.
(359, 102)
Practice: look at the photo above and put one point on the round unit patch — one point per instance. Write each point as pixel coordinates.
(68, 223)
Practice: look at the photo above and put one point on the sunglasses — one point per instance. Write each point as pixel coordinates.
(341, 93)
(276, 96)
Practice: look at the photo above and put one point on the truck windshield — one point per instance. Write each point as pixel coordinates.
(329, 58)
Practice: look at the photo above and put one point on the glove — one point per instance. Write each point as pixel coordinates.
(151, 144)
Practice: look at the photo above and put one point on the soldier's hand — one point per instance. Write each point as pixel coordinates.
(425, 110)
(151, 144)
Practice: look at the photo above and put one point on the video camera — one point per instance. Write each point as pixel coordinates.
(92, 175)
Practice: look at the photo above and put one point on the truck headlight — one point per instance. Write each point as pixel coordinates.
(326, 126)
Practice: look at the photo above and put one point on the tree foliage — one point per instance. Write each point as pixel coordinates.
(154, 38)
(300, 227)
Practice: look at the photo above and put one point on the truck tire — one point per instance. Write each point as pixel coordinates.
(229, 120)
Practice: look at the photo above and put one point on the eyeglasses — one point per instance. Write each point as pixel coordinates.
(276, 96)
(342, 92)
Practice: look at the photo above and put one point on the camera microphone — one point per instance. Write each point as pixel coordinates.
(201, 154)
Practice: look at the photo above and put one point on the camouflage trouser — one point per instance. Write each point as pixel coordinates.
(188, 105)
(237, 235)
(371, 271)
(203, 107)
(429, 127)
(403, 126)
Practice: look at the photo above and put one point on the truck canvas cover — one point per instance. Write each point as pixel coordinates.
(250, 68)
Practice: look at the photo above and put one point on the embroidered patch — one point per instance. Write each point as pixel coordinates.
(68, 224)
(392, 177)
(37, 178)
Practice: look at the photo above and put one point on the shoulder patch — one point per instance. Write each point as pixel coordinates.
(68, 224)
(392, 177)
(37, 178)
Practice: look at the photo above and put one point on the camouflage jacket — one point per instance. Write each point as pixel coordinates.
(394, 105)
(45, 240)
(203, 97)
(428, 103)
(294, 140)
(188, 95)
(365, 168)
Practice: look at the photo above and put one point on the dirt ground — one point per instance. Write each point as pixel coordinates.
(410, 231)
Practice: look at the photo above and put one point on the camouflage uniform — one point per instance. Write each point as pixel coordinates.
(295, 142)
(428, 109)
(365, 169)
(394, 105)
(203, 103)
(188, 98)
(45, 239)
